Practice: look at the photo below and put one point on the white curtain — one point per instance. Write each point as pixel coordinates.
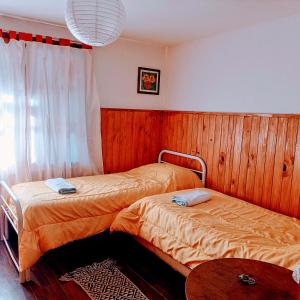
(49, 113)
(12, 111)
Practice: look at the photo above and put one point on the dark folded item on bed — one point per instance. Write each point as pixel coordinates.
(60, 186)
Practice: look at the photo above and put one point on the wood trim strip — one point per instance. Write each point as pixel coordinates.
(241, 114)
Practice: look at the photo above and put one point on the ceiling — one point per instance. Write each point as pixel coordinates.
(170, 21)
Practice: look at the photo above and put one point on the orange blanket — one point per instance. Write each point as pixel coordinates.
(220, 228)
(51, 220)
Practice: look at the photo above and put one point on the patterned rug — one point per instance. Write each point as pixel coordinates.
(104, 281)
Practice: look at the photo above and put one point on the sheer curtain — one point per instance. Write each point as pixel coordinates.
(51, 127)
(13, 107)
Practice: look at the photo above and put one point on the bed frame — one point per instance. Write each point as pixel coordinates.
(8, 216)
(176, 265)
(201, 173)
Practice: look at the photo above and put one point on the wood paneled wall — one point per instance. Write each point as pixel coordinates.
(130, 138)
(249, 156)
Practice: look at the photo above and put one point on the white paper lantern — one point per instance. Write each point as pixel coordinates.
(95, 22)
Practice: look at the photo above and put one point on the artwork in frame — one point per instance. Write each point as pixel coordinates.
(148, 81)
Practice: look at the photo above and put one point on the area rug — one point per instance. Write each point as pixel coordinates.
(104, 281)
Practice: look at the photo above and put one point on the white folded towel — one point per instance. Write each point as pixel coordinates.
(296, 274)
(60, 186)
(192, 198)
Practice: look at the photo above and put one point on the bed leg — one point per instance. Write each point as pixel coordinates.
(1, 224)
(24, 276)
(28, 275)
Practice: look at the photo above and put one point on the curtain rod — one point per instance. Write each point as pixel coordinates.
(29, 37)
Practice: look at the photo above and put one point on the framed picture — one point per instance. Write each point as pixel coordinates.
(148, 81)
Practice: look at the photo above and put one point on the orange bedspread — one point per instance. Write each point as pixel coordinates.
(51, 220)
(220, 228)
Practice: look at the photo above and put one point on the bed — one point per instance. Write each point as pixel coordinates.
(223, 227)
(44, 219)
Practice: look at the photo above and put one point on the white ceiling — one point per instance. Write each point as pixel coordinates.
(170, 21)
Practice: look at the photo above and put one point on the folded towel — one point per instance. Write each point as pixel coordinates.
(296, 274)
(191, 198)
(60, 186)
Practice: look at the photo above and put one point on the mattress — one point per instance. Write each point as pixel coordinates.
(223, 227)
(51, 220)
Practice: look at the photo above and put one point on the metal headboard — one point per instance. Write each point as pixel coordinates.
(201, 173)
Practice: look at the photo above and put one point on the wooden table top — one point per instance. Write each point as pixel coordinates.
(218, 280)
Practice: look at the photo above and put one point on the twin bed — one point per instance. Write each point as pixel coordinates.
(223, 227)
(138, 202)
(44, 219)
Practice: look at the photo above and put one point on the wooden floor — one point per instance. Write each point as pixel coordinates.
(155, 279)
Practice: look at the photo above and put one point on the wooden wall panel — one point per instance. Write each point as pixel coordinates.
(237, 150)
(260, 161)
(130, 138)
(295, 188)
(249, 156)
(220, 167)
(228, 156)
(288, 165)
(269, 163)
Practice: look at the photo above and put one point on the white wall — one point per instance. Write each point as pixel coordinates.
(254, 69)
(116, 69)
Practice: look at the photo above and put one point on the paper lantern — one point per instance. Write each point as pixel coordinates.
(95, 22)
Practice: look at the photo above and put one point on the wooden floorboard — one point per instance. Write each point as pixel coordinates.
(155, 279)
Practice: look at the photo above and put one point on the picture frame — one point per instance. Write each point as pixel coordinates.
(148, 81)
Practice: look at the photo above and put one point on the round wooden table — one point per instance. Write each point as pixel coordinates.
(219, 279)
